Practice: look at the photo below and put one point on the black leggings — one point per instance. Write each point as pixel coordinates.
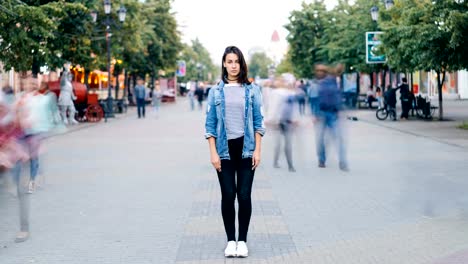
(229, 189)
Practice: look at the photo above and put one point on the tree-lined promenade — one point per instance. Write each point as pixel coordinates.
(418, 35)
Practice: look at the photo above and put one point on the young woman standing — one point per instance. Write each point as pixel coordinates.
(234, 129)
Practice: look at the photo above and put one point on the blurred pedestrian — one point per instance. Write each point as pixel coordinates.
(390, 100)
(14, 153)
(370, 96)
(405, 98)
(51, 119)
(328, 115)
(36, 112)
(301, 97)
(140, 96)
(286, 119)
(379, 96)
(156, 100)
(234, 129)
(200, 94)
(191, 95)
(312, 92)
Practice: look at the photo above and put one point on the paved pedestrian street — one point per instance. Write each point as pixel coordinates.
(143, 191)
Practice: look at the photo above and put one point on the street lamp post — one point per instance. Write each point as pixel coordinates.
(374, 11)
(389, 4)
(122, 12)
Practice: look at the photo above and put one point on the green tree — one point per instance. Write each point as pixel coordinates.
(205, 64)
(73, 35)
(44, 33)
(199, 65)
(26, 31)
(165, 46)
(306, 31)
(427, 35)
(345, 35)
(259, 64)
(285, 66)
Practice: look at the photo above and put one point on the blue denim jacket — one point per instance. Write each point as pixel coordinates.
(215, 126)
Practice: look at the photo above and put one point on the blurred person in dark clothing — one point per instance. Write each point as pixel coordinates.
(330, 104)
(390, 99)
(140, 96)
(405, 98)
(301, 97)
(200, 94)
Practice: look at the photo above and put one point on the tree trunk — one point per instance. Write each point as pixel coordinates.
(383, 78)
(86, 78)
(152, 83)
(36, 67)
(117, 86)
(390, 77)
(440, 83)
(371, 75)
(133, 84)
(358, 83)
(126, 82)
(412, 83)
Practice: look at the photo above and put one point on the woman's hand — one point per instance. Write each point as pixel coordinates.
(255, 159)
(216, 161)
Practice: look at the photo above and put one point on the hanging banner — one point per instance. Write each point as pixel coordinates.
(372, 46)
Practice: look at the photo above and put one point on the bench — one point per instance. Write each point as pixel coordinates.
(362, 101)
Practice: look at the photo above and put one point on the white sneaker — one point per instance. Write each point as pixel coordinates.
(242, 250)
(230, 250)
(31, 187)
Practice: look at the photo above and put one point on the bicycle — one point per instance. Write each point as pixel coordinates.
(384, 112)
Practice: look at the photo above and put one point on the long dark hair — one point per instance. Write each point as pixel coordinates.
(243, 73)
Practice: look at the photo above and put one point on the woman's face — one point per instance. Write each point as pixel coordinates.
(232, 65)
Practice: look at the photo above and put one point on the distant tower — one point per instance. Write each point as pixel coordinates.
(274, 49)
(275, 37)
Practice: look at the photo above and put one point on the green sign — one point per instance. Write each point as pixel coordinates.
(372, 48)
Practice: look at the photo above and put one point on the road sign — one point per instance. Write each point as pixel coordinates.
(372, 45)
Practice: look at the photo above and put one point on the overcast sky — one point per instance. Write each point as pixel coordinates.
(243, 23)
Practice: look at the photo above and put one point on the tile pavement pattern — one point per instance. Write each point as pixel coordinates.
(204, 237)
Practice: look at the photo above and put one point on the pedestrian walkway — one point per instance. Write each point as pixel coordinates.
(143, 191)
(455, 113)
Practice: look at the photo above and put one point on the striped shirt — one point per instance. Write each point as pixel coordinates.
(234, 95)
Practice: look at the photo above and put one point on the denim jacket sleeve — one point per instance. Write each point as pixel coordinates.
(211, 116)
(257, 109)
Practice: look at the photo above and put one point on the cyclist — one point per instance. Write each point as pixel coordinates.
(390, 100)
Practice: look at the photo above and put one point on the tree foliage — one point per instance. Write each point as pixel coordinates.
(259, 65)
(427, 35)
(199, 65)
(306, 31)
(285, 65)
(46, 32)
(418, 35)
